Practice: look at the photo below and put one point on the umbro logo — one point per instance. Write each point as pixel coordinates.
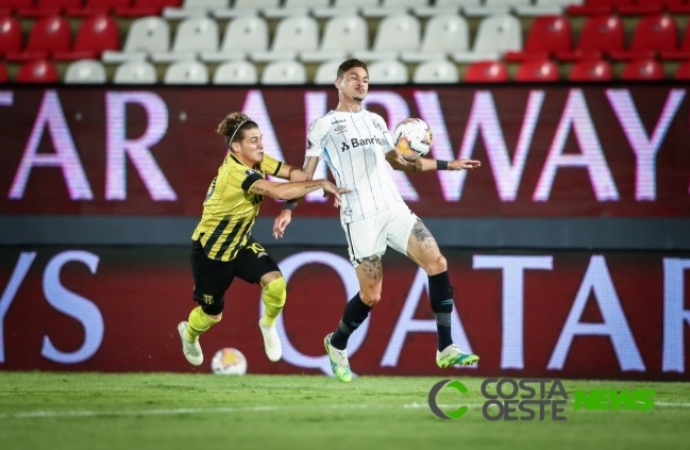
(344, 147)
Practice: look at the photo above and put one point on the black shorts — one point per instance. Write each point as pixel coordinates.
(212, 278)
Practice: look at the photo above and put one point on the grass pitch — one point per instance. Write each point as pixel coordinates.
(174, 411)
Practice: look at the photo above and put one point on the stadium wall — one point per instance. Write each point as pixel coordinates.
(569, 249)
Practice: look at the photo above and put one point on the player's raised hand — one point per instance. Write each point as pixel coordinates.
(464, 164)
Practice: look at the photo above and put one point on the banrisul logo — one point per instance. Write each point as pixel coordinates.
(533, 399)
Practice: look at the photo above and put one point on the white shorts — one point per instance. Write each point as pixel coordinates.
(371, 236)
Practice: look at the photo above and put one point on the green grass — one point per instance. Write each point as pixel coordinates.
(166, 411)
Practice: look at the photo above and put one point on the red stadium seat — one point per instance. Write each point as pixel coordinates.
(600, 35)
(683, 71)
(596, 7)
(547, 36)
(142, 8)
(96, 35)
(652, 35)
(3, 74)
(39, 71)
(10, 36)
(643, 70)
(44, 8)
(486, 72)
(683, 51)
(48, 35)
(591, 70)
(537, 71)
(98, 7)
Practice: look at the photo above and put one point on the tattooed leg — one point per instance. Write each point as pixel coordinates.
(370, 277)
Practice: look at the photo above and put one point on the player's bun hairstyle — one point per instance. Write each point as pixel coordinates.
(349, 64)
(234, 125)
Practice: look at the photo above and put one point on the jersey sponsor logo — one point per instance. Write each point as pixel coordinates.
(344, 147)
(366, 141)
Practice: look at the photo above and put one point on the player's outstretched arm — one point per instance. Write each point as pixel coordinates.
(426, 164)
(291, 190)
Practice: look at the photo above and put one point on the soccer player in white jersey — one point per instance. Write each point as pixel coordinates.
(358, 149)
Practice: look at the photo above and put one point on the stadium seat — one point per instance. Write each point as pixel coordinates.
(186, 72)
(652, 35)
(347, 33)
(146, 8)
(537, 71)
(284, 72)
(547, 36)
(48, 35)
(683, 52)
(486, 72)
(242, 35)
(96, 35)
(98, 7)
(135, 72)
(589, 70)
(292, 35)
(3, 74)
(145, 35)
(498, 34)
(642, 70)
(194, 35)
(86, 71)
(596, 7)
(600, 35)
(441, 71)
(388, 72)
(45, 8)
(442, 35)
(37, 71)
(683, 71)
(296, 8)
(10, 36)
(236, 72)
(394, 34)
(327, 72)
(195, 8)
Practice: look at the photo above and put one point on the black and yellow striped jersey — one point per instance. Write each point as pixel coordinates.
(230, 209)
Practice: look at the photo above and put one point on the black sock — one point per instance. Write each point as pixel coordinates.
(441, 296)
(356, 312)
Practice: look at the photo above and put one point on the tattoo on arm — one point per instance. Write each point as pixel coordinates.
(312, 186)
(423, 235)
(373, 268)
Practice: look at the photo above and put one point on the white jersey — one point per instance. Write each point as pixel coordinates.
(354, 147)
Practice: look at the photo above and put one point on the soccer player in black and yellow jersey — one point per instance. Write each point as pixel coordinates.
(222, 244)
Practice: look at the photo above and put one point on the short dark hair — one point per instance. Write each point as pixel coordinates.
(349, 64)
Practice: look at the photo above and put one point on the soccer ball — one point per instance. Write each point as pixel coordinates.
(229, 361)
(412, 138)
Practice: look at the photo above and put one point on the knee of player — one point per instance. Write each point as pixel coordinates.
(371, 300)
(276, 291)
(437, 265)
